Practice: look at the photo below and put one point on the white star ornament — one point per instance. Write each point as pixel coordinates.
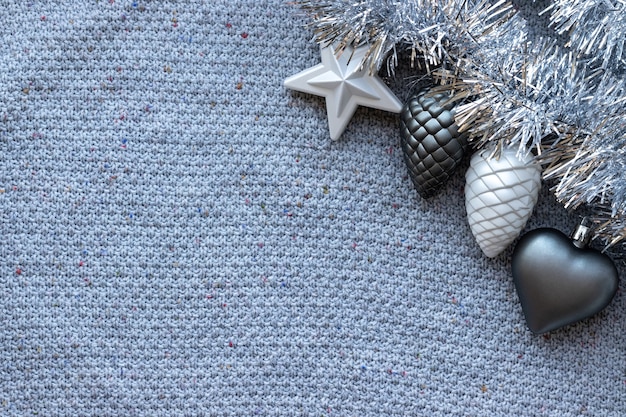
(345, 85)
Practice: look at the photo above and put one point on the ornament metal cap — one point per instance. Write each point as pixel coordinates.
(582, 234)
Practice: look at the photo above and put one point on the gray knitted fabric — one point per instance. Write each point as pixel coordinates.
(180, 237)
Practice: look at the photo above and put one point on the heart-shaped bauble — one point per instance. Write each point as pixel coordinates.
(559, 283)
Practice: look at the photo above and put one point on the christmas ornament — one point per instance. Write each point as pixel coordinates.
(430, 141)
(535, 70)
(346, 85)
(559, 280)
(500, 194)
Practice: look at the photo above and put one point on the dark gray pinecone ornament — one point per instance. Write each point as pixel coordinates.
(431, 143)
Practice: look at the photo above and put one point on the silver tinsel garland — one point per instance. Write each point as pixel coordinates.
(542, 75)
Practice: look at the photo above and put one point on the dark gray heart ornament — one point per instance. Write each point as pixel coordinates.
(559, 280)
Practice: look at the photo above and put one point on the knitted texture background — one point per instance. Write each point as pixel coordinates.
(181, 237)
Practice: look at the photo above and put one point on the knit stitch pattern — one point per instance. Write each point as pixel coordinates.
(180, 237)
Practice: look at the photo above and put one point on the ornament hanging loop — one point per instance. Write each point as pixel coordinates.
(583, 233)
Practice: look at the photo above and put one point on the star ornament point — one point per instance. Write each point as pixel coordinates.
(345, 85)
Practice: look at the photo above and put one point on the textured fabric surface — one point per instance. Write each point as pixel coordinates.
(180, 237)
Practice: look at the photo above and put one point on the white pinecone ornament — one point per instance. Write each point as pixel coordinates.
(500, 195)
